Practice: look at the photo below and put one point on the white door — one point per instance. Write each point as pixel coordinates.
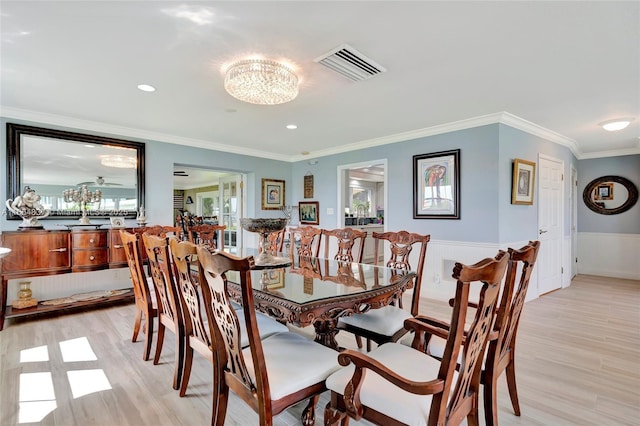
(231, 199)
(550, 220)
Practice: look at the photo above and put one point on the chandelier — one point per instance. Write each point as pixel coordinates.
(118, 161)
(261, 82)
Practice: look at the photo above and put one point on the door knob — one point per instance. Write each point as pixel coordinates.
(541, 232)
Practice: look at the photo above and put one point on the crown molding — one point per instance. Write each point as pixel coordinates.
(503, 117)
(96, 126)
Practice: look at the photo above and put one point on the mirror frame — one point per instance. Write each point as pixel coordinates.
(14, 164)
(632, 197)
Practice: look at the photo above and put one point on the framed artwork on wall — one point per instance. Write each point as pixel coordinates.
(272, 194)
(309, 212)
(522, 185)
(436, 185)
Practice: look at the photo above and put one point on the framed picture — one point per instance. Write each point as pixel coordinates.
(524, 174)
(436, 185)
(309, 213)
(272, 194)
(603, 191)
(117, 222)
(273, 278)
(308, 185)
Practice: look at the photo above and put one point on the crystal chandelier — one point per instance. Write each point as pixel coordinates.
(261, 82)
(118, 161)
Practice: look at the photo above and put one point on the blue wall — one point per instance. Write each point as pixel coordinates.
(624, 223)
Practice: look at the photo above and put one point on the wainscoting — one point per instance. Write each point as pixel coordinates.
(609, 255)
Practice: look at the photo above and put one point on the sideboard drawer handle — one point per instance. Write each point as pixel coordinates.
(91, 241)
(59, 249)
(92, 258)
(118, 246)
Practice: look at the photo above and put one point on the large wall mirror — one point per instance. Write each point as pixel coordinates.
(610, 195)
(53, 161)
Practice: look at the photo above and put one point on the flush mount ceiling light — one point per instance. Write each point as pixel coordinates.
(146, 88)
(118, 161)
(617, 124)
(261, 82)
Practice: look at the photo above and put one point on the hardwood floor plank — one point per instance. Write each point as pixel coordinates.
(578, 363)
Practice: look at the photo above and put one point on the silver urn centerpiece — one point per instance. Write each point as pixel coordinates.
(264, 227)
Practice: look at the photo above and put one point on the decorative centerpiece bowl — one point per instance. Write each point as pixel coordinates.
(264, 227)
(4, 251)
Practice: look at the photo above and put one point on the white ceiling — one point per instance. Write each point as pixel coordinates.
(557, 68)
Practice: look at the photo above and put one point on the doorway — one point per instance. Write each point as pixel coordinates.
(362, 193)
(216, 196)
(550, 223)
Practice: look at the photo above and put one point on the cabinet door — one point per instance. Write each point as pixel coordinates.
(37, 251)
(117, 257)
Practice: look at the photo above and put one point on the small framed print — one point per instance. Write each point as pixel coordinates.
(524, 174)
(273, 278)
(309, 212)
(117, 222)
(272, 194)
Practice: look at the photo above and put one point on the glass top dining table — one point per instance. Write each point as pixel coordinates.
(317, 291)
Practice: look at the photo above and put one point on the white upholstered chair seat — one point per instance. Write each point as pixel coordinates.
(436, 348)
(385, 397)
(385, 321)
(293, 362)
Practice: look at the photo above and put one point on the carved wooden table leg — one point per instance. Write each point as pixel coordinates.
(326, 333)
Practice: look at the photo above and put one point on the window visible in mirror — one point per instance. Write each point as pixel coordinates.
(52, 161)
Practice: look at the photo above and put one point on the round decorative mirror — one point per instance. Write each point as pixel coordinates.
(610, 195)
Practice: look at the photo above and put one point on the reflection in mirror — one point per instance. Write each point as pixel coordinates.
(52, 162)
(610, 195)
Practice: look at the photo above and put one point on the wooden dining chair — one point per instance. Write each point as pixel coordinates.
(185, 261)
(276, 241)
(349, 244)
(169, 309)
(410, 387)
(304, 241)
(387, 323)
(145, 300)
(271, 374)
(211, 236)
(502, 345)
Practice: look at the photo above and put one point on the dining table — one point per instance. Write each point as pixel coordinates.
(316, 291)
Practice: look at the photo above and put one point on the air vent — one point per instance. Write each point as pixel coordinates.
(348, 62)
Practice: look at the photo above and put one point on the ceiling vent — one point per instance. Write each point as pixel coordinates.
(348, 62)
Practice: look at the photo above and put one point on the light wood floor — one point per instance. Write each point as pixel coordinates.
(578, 364)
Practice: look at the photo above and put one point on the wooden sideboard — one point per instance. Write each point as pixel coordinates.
(51, 252)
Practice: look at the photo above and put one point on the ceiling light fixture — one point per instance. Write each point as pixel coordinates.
(118, 161)
(146, 88)
(617, 124)
(261, 82)
(291, 126)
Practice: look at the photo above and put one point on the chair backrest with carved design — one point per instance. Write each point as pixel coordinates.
(401, 245)
(212, 236)
(160, 268)
(350, 244)
(131, 245)
(276, 241)
(304, 241)
(185, 261)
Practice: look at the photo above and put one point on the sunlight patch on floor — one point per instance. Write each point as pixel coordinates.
(37, 354)
(75, 350)
(37, 397)
(85, 382)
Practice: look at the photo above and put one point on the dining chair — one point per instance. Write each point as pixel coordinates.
(502, 344)
(169, 310)
(185, 261)
(276, 241)
(145, 300)
(271, 374)
(304, 241)
(395, 384)
(387, 323)
(349, 243)
(211, 236)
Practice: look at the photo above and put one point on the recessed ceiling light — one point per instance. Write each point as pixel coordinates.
(305, 153)
(291, 126)
(146, 88)
(616, 124)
